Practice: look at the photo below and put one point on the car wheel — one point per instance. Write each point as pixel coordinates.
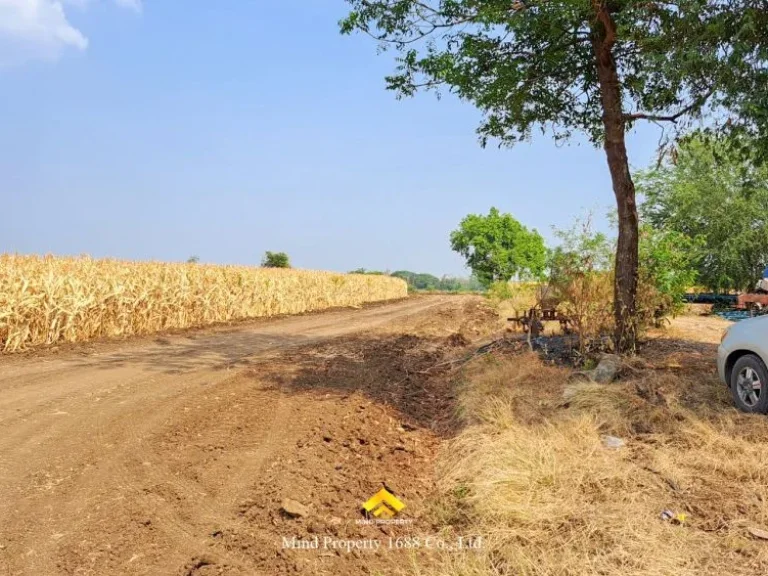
(749, 384)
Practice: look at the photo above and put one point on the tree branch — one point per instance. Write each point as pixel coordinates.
(670, 117)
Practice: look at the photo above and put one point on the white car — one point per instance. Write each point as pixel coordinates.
(741, 363)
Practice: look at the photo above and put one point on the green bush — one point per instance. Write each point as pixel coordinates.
(500, 291)
(667, 270)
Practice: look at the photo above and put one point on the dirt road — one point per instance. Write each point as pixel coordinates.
(172, 455)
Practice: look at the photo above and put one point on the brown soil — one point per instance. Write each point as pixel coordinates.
(172, 455)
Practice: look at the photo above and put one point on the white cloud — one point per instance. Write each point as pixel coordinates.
(40, 30)
(132, 4)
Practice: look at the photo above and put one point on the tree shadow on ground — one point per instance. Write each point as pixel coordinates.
(688, 369)
(405, 372)
(416, 375)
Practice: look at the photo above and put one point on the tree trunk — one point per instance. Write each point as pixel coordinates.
(625, 283)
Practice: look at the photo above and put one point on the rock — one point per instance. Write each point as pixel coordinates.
(613, 442)
(607, 369)
(293, 508)
(758, 533)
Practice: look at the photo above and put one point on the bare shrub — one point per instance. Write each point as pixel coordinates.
(582, 278)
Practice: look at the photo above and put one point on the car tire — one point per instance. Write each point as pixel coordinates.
(749, 384)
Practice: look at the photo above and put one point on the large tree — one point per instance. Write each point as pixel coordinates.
(593, 66)
(710, 193)
(275, 260)
(497, 247)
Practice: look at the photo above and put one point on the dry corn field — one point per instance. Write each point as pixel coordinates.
(44, 300)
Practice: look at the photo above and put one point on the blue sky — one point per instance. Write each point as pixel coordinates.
(224, 129)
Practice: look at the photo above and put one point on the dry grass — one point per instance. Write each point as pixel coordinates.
(517, 300)
(695, 327)
(44, 300)
(529, 472)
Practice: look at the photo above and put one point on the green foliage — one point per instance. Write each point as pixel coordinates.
(744, 83)
(193, 259)
(449, 284)
(582, 250)
(532, 64)
(581, 269)
(417, 281)
(454, 284)
(592, 66)
(719, 200)
(497, 247)
(667, 268)
(500, 291)
(275, 260)
(582, 265)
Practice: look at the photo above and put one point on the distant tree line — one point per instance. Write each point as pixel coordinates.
(424, 281)
(365, 271)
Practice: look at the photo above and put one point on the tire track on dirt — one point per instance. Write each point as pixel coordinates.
(87, 462)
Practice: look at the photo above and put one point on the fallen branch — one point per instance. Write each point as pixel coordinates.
(483, 350)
